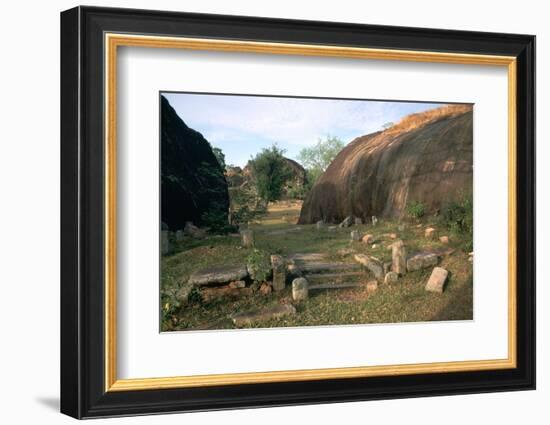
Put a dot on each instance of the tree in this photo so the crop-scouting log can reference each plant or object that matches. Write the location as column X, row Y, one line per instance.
column 270, row 173
column 387, row 125
column 220, row 156
column 317, row 158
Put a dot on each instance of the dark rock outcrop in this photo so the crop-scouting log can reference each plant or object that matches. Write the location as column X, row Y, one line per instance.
column 427, row 157
column 192, row 181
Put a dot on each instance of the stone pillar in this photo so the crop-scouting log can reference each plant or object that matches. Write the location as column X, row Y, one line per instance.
column 374, row 220
column 300, row 289
column 164, row 242
column 399, row 257
column 355, row 235
column 320, row 225
column 247, row 238
column 279, row 272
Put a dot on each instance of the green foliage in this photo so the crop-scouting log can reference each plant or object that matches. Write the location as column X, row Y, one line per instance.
column 458, row 216
column 259, row 264
column 387, row 125
column 216, row 220
column 270, row 172
column 416, row 209
column 220, row 156
column 317, row 158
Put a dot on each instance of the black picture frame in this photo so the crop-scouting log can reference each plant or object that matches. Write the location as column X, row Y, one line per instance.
column 83, row 392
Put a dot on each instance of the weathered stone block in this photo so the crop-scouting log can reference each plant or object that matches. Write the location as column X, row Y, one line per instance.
column 247, row 238
column 216, row 275
column 279, row 272
column 300, row 289
column 320, row 225
column 437, row 280
column 399, row 257
column 355, row 235
column 421, row 261
column 372, row 286
column 374, row 265
column 391, row 277
column 346, row 222
column 429, row 233
column 358, row 221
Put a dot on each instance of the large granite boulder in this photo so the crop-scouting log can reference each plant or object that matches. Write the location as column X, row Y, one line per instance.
column 427, row 157
column 192, row 180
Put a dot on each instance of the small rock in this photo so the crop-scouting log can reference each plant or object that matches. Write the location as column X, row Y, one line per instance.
column 355, row 235
column 437, row 280
column 368, row 239
column 300, row 289
column 191, row 230
column 391, row 277
column 471, row 257
column 401, row 227
column 429, row 233
column 247, row 238
column 266, row 288
column 237, row 284
column 320, row 225
column 346, row 222
column 358, row 221
column 444, row 239
column 374, row 220
column 372, row 286
column 393, row 236
column 374, row 246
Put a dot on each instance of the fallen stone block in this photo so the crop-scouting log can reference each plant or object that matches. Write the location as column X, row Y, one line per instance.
column 346, row 222
column 374, row 265
column 437, row 280
column 217, row 275
column 421, row 261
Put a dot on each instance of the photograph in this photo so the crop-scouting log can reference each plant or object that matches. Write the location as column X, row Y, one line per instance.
column 281, row 211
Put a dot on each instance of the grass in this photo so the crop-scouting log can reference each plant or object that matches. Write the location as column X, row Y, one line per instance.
column 404, row 301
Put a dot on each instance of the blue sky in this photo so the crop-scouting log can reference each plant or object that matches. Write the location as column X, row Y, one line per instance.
column 242, row 125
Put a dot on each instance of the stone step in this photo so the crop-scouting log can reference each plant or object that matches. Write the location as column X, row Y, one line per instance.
column 335, row 277
column 343, row 285
column 318, row 267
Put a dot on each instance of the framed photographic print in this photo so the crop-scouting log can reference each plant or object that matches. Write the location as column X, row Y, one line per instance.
column 261, row 212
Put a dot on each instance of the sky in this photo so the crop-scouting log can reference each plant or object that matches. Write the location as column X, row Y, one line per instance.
column 242, row 125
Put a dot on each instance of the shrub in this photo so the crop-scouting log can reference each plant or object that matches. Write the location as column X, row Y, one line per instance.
column 259, row 265
column 416, row 209
column 458, row 216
